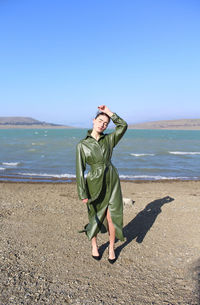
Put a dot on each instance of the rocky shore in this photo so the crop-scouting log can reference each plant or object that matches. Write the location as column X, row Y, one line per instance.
column 44, row 260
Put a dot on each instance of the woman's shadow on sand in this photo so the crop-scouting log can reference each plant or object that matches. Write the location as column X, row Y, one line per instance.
column 141, row 224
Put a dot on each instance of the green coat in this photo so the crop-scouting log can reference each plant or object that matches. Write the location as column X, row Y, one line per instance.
column 102, row 185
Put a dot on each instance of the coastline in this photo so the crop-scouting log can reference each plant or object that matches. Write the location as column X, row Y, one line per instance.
column 3, row 127
column 45, row 260
column 190, row 128
column 53, row 180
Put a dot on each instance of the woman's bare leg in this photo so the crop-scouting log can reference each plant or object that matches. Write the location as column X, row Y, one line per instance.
column 95, row 251
column 111, row 229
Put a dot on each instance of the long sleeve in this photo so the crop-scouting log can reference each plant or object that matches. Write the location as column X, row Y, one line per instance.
column 80, row 168
column 120, row 129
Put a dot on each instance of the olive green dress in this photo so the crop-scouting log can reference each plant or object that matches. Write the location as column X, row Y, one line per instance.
column 102, row 184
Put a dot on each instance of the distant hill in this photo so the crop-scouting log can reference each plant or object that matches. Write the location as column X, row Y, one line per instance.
column 26, row 122
column 183, row 124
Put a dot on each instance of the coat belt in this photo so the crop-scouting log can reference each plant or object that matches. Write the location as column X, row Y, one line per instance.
column 100, row 164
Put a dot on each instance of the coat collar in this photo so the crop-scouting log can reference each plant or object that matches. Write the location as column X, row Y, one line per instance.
column 102, row 135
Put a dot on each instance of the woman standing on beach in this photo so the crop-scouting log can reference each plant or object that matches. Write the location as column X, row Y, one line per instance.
column 101, row 190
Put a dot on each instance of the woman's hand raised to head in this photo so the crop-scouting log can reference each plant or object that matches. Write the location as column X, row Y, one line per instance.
column 105, row 109
column 85, row 200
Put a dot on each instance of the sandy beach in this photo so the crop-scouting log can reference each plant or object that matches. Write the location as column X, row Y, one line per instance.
column 44, row 260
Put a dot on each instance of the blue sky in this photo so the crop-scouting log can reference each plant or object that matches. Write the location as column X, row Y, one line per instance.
column 60, row 59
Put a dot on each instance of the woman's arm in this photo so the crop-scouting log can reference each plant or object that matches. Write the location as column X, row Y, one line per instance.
column 80, row 169
column 121, row 125
column 105, row 109
column 120, row 129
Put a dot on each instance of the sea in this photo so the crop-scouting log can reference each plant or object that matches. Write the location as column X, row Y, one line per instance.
column 48, row 155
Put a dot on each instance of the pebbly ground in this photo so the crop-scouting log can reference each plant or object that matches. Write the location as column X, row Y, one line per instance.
column 44, row 260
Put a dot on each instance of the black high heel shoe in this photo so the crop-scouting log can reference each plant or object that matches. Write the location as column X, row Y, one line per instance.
column 96, row 257
column 112, row 261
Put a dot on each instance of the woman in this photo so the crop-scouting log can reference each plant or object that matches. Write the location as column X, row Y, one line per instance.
column 101, row 190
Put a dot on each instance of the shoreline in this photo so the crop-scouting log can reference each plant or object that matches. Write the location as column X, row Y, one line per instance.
column 2, row 127
column 8, row 127
column 34, row 180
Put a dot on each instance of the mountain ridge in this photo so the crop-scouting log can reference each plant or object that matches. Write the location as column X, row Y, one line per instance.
column 181, row 124
column 29, row 122
column 19, row 121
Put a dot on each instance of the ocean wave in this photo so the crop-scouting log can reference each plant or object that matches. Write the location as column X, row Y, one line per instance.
column 37, row 143
column 141, row 155
column 146, row 177
column 184, row 152
column 48, row 175
column 11, row 163
column 2, row 168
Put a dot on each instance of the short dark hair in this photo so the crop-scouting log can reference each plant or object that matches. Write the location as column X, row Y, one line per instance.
column 102, row 113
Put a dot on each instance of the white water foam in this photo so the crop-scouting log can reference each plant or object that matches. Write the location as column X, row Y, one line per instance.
column 2, row 168
column 141, row 155
column 146, row 177
column 184, row 152
column 48, row 175
column 38, row 143
column 11, row 163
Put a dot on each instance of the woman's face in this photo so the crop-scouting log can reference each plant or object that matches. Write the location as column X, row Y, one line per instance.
column 100, row 123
